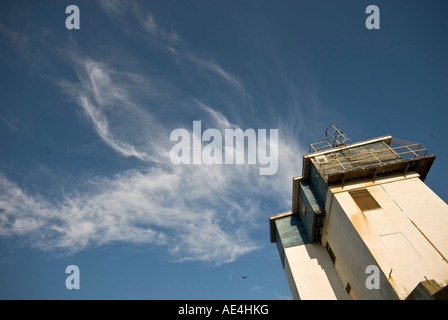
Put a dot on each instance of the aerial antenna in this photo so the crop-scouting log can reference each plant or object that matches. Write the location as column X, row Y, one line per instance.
column 335, row 136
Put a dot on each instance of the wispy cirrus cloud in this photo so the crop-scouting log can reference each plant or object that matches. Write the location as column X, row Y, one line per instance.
column 133, row 207
column 107, row 102
column 198, row 212
column 114, row 7
column 177, row 206
column 18, row 40
column 172, row 42
column 214, row 68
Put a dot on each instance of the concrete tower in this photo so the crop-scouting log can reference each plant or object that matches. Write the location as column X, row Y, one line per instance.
column 363, row 224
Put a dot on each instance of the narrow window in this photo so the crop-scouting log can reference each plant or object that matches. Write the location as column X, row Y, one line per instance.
column 364, row 200
column 330, row 253
column 349, row 290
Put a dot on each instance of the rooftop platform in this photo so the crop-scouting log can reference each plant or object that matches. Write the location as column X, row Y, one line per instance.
column 368, row 159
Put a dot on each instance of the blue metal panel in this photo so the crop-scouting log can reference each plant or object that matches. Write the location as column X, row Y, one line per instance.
column 318, row 183
column 280, row 247
column 311, row 197
column 290, row 231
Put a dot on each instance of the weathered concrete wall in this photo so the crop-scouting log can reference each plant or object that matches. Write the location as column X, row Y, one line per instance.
column 425, row 208
column 407, row 237
column 352, row 254
column 311, row 274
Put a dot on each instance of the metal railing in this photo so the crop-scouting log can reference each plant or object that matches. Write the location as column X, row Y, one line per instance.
column 344, row 159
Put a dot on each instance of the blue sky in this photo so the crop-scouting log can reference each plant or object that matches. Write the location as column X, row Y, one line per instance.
column 86, row 117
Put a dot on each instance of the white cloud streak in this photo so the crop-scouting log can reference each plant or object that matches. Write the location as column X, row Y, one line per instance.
column 172, row 42
column 213, row 67
column 105, row 98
